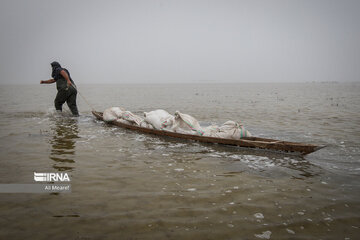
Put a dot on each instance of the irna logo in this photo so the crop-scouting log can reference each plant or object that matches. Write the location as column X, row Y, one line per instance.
column 51, row 177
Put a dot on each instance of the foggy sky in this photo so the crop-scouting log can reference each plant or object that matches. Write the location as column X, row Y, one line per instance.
column 180, row 41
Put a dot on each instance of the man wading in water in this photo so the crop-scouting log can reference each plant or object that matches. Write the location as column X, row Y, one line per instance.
column 65, row 86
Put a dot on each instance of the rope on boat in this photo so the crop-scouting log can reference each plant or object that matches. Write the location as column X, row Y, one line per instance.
column 92, row 108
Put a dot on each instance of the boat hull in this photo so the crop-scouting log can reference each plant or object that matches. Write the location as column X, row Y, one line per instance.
column 248, row 142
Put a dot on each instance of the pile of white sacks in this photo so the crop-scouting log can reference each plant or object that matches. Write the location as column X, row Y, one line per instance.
column 179, row 122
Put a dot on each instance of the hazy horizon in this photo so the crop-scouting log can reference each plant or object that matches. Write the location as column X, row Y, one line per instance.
column 185, row 83
column 181, row 41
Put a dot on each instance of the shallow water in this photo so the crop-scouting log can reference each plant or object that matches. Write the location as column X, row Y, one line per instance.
column 127, row 185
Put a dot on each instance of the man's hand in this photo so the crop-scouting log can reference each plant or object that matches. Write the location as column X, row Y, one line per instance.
column 47, row 81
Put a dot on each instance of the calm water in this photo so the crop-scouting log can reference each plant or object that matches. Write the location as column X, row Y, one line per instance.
column 127, row 185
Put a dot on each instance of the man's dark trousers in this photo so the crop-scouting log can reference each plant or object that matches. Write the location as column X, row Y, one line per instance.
column 69, row 96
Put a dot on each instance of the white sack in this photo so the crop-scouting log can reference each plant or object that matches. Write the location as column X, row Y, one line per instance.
column 157, row 117
column 111, row 114
column 120, row 120
column 168, row 123
column 232, row 130
column 133, row 118
column 211, row 131
column 185, row 123
column 145, row 124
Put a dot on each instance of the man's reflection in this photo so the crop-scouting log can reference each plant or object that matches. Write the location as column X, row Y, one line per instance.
column 65, row 133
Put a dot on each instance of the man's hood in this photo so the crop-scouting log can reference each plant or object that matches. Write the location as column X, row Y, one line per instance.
column 56, row 68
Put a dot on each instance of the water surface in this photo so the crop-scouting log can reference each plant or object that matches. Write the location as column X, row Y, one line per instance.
column 127, row 185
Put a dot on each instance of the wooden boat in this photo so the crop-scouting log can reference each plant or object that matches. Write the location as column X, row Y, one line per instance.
column 248, row 142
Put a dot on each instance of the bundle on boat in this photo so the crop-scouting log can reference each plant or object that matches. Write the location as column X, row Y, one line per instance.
column 178, row 123
column 184, row 126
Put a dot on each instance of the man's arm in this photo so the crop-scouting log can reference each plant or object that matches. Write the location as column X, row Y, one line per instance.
column 66, row 76
column 47, row 81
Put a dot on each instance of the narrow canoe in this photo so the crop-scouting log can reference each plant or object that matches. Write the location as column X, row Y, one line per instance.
column 248, row 142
